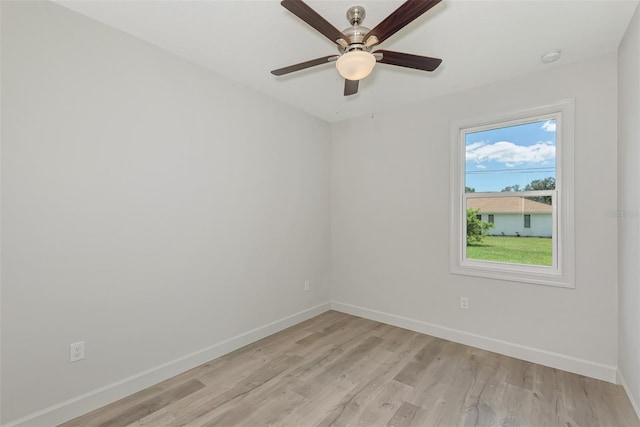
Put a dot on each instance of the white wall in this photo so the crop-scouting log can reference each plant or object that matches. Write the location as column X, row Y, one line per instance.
column 629, row 206
column 390, row 234
column 149, row 207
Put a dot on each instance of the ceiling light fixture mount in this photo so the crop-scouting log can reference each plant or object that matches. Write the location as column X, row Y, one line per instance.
column 550, row 57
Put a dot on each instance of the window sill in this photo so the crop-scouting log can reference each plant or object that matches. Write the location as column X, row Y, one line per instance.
column 513, row 273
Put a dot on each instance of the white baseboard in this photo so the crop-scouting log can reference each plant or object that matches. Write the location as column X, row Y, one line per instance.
column 630, row 395
column 87, row 402
column 530, row 354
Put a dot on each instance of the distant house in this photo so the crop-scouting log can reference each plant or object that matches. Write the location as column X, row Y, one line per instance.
column 514, row 216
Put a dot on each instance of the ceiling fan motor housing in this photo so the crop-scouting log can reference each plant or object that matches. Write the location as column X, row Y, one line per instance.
column 356, row 33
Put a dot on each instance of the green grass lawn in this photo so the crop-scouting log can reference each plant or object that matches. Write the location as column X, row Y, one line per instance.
column 521, row 250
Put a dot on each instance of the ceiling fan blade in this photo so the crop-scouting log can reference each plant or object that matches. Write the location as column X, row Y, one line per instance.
column 350, row 87
column 402, row 16
column 303, row 65
column 313, row 18
column 408, row 60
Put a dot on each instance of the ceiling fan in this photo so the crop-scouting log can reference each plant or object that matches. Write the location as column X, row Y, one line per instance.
column 356, row 61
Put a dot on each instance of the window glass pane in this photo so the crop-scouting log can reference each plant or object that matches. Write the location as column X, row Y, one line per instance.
column 512, row 196
column 512, row 158
column 521, row 232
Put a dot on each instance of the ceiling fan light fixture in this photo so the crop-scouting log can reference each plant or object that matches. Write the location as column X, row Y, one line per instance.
column 355, row 61
column 355, row 65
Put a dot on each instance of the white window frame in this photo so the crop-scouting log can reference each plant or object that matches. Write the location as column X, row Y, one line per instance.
column 562, row 271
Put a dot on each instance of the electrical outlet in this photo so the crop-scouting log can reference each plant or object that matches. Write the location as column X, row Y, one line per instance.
column 464, row 303
column 307, row 286
column 76, row 351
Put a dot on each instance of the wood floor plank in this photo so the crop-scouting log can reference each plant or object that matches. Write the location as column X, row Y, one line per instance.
column 368, row 387
column 545, row 385
column 121, row 416
column 382, row 409
column 311, row 411
column 235, row 394
column 256, row 408
column 404, row 416
column 476, row 409
column 609, row 402
column 520, row 373
column 413, row 370
column 575, row 400
column 341, row 370
column 322, row 321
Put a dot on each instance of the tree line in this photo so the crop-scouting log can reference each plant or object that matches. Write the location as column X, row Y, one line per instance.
column 548, row 183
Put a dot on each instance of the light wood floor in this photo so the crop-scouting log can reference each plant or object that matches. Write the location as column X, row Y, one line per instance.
column 341, row 370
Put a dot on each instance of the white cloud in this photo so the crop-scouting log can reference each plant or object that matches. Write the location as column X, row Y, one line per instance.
column 509, row 153
column 478, row 166
column 549, row 126
column 475, row 145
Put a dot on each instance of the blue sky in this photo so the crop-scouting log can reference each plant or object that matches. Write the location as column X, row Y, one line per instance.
column 518, row 154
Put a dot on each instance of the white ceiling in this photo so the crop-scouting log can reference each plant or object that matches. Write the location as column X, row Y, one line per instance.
column 479, row 41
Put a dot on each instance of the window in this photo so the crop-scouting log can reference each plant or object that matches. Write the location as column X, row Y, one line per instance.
column 519, row 167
